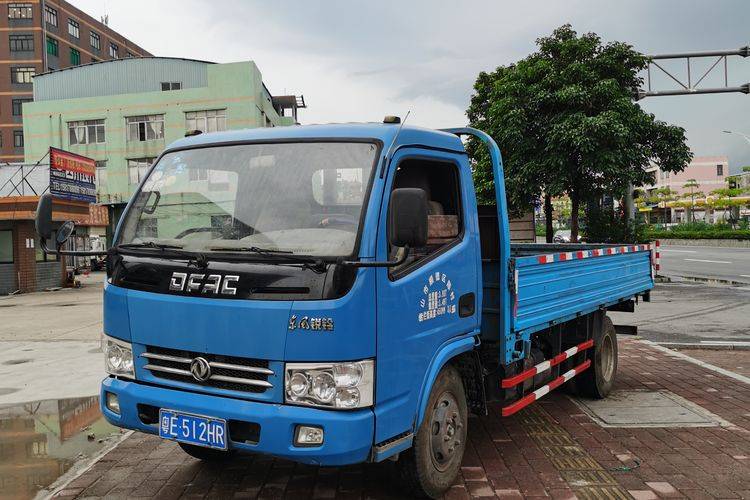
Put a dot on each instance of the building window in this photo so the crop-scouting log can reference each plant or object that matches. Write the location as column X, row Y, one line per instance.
column 74, row 29
column 19, row 11
column 18, row 106
column 171, row 85
column 720, row 170
column 101, row 176
column 21, row 43
column 52, row 46
column 212, row 120
column 6, row 247
column 22, row 74
column 113, row 50
column 137, row 169
column 75, row 57
column 18, row 138
column 145, row 128
column 50, row 16
column 95, row 40
column 198, row 174
column 86, row 132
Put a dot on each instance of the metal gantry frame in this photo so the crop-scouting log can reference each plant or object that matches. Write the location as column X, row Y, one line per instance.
column 691, row 85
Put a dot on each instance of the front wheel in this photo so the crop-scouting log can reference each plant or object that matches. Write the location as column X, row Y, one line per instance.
column 431, row 466
column 597, row 381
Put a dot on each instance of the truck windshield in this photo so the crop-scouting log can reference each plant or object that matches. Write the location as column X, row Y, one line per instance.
column 292, row 198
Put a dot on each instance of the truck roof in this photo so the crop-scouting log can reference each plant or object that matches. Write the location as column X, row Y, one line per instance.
column 384, row 132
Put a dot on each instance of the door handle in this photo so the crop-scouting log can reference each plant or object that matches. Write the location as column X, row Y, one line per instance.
column 466, row 305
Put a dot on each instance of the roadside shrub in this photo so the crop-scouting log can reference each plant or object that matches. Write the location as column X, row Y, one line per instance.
column 699, row 231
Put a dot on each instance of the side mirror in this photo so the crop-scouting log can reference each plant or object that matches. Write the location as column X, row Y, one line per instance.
column 407, row 220
column 64, row 232
column 43, row 220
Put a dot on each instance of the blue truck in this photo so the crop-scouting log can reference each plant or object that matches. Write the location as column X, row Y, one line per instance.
column 333, row 294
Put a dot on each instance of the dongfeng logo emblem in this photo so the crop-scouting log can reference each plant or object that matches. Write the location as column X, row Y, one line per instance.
column 215, row 284
column 200, row 369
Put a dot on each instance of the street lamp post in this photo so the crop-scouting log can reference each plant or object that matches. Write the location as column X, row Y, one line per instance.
column 744, row 136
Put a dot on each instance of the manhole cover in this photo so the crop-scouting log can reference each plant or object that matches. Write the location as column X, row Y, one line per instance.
column 648, row 409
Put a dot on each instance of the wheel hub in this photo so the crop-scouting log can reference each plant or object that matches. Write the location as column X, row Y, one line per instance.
column 445, row 425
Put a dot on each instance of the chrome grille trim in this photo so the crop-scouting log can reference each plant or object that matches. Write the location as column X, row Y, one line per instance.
column 251, row 369
column 165, row 357
column 227, row 372
column 167, row 369
column 257, row 383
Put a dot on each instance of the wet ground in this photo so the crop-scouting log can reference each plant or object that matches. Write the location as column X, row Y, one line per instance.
column 41, row 441
column 49, row 354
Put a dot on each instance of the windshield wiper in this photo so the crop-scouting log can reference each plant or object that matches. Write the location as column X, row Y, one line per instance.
column 313, row 264
column 198, row 258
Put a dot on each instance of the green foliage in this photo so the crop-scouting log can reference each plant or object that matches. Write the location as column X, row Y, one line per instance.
column 700, row 231
column 566, row 123
column 612, row 226
column 746, row 169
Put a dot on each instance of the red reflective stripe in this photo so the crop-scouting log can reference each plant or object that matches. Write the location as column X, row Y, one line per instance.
column 517, row 379
column 530, row 398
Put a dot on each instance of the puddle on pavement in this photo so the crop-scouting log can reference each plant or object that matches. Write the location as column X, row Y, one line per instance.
column 41, row 441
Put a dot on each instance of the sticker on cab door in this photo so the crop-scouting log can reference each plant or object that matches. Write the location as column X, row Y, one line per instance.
column 438, row 299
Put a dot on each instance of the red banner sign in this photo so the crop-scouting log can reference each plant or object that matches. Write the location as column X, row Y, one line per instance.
column 72, row 176
column 64, row 160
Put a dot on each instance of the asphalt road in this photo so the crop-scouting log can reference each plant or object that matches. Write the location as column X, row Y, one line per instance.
column 693, row 313
column 706, row 262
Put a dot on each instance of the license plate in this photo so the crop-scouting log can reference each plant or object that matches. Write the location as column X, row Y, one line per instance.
column 193, row 429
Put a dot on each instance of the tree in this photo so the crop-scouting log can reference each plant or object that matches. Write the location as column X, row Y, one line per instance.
column 746, row 169
column 566, row 122
column 691, row 185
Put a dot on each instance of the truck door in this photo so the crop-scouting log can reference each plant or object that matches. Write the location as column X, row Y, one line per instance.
column 431, row 298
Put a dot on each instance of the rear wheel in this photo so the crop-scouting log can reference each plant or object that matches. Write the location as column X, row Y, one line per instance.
column 598, row 380
column 430, row 467
column 206, row 454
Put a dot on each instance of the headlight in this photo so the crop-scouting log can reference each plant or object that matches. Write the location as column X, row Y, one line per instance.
column 330, row 385
column 118, row 357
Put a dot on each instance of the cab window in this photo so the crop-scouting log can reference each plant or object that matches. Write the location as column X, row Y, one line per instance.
column 440, row 181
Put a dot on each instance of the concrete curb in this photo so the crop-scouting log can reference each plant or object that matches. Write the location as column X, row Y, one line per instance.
column 78, row 469
column 706, row 243
column 708, row 281
column 708, row 346
column 703, row 364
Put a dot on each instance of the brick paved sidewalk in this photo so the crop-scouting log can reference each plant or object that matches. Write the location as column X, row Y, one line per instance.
column 552, row 449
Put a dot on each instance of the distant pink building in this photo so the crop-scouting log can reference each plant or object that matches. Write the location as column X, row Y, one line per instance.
column 710, row 172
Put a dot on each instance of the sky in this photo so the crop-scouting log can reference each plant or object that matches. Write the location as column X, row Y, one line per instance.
column 359, row 60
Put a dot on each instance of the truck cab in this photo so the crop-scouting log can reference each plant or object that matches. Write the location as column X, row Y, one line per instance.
column 325, row 294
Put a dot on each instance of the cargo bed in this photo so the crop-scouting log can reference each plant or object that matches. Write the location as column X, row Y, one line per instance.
column 553, row 283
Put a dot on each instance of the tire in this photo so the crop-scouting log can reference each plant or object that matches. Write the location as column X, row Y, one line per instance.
column 431, row 465
column 206, row 454
column 598, row 380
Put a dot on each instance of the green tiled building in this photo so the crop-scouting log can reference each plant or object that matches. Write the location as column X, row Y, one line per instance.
column 123, row 112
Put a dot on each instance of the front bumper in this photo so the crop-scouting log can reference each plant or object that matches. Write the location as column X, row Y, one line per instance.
column 348, row 435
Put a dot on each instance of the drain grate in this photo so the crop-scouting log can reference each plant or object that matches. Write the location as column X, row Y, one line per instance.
column 644, row 408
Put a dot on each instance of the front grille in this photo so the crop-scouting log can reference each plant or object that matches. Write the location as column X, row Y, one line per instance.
column 227, row 372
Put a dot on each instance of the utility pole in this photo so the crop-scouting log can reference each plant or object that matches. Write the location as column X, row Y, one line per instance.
column 689, row 85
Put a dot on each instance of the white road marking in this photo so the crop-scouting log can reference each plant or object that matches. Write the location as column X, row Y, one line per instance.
column 709, row 261
column 744, row 275
column 678, row 251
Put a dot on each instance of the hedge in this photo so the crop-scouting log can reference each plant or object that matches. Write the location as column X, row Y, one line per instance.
column 688, row 234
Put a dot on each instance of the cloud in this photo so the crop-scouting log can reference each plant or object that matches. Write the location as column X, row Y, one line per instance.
column 357, row 60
